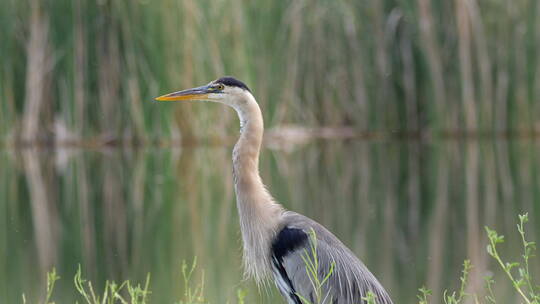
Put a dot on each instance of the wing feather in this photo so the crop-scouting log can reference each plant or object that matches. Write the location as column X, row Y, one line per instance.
column 350, row 280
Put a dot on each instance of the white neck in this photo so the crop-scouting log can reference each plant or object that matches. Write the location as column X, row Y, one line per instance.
column 258, row 212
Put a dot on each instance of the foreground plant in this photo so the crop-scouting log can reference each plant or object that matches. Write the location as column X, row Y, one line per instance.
column 192, row 294
column 311, row 262
column 112, row 292
column 518, row 273
column 522, row 282
column 424, row 294
column 370, row 298
column 129, row 293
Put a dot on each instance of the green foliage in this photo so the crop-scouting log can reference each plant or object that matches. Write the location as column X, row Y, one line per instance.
column 112, row 292
column 424, row 294
column 241, row 296
column 458, row 298
column 129, row 293
column 313, row 271
column 311, row 261
column 192, row 294
column 52, row 277
column 521, row 281
column 490, row 295
column 518, row 273
column 370, row 298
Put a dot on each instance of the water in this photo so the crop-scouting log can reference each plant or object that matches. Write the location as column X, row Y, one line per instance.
column 413, row 211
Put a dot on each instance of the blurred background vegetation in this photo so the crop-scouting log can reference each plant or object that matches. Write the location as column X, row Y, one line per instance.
column 85, row 71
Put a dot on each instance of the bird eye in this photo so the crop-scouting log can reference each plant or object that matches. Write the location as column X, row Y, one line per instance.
column 220, row 87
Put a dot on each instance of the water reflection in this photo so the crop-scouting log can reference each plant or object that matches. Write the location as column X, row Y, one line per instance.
column 412, row 210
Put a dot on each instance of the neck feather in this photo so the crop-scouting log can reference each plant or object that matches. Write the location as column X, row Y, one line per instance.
column 258, row 212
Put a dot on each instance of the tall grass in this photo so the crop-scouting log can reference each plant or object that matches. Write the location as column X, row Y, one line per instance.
column 87, row 70
column 132, row 293
column 517, row 274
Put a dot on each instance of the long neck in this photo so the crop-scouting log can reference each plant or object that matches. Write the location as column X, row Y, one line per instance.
column 259, row 214
column 247, row 149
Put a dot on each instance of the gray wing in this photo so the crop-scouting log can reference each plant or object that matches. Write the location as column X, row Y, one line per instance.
column 350, row 280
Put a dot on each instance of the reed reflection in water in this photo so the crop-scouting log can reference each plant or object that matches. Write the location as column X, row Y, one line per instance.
column 412, row 210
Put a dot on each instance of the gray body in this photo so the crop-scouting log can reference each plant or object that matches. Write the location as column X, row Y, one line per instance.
column 350, row 280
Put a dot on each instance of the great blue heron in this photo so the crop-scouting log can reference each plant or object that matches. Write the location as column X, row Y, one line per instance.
column 279, row 242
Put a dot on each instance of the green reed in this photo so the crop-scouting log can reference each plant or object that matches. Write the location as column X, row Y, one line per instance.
column 87, row 70
column 128, row 292
column 314, row 271
column 517, row 272
column 518, row 275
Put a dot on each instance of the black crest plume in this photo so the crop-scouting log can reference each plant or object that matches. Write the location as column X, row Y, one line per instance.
column 232, row 82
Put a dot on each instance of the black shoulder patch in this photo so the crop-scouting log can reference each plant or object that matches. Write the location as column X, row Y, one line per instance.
column 287, row 240
column 232, row 82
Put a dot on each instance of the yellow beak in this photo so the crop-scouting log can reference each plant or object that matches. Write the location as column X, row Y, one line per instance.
column 200, row 93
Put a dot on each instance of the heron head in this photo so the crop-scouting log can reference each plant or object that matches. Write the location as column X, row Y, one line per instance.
column 227, row 90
